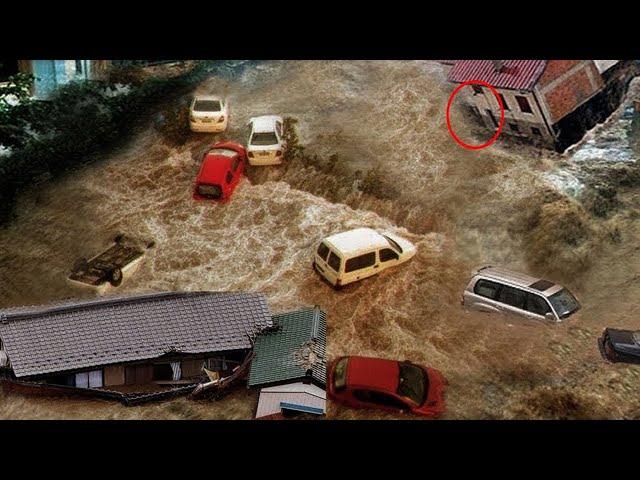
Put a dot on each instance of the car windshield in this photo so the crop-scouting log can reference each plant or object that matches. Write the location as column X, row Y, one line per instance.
column 207, row 106
column 211, row 191
column 340, row 374
column 564, row 303
column 414, row 383
column 264, row 138
column 393, row 244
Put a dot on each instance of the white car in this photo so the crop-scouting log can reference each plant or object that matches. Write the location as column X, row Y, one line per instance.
column 208, row 113
column 351, row 256
column 266, row 144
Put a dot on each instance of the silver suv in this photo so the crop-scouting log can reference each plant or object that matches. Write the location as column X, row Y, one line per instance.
column 498, row 290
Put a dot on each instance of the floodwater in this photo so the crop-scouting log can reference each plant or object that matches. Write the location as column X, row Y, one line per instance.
column 378, row 154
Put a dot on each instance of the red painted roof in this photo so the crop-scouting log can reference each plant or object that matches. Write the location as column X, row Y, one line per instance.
column 515, row 74
column 376, row 373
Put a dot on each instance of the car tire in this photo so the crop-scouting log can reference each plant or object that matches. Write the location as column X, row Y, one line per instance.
column 115, row 277
column 118, row 238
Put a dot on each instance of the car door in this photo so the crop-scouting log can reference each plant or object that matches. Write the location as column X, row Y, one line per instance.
column 537, row 307
column 236, row 171
column 513, row 301
column 483, row 297
column 360, row 267
column 375, row 399
column 387, row 257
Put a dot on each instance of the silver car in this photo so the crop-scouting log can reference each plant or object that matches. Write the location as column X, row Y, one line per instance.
column 498, row 290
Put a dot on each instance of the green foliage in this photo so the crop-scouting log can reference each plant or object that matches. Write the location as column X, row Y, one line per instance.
column 290, row 136
column 174, row 125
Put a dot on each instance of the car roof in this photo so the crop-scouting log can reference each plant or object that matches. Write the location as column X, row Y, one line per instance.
column 356, row 240
column 265, row 123
column 519, row 279
column 214, row 168
column 373, row 373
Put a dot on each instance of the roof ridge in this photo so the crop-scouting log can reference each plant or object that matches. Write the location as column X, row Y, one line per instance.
column 30, row 311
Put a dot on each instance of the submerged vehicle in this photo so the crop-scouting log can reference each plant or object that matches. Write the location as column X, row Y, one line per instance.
column 620, row 345
column 376, row 383
column 350, row 256
column 208, row 113
column 111, row 267
column 266, row 144
column 220, row 172
column 498, row 290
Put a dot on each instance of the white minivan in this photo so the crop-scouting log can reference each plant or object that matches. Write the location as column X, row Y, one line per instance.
column 350, row 256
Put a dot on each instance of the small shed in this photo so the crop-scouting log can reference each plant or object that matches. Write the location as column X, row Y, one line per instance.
column 298, row 397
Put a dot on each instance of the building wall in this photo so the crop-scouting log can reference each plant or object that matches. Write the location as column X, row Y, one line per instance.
column 513, row 115
column 52, row 73
column 565, row 85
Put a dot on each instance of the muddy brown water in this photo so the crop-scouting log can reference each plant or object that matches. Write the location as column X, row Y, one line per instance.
column 458, row 206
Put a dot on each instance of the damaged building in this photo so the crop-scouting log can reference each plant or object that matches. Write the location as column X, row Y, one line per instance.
column 132, row 344
column 551, row 102
column 289, row 365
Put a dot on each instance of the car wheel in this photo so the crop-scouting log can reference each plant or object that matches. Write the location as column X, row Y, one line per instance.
column 115, row 277
column 118, row 238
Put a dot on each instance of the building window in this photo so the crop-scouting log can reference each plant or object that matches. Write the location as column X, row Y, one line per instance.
column 514, row 127
column 536, row 131
column 523, row 103
column 78, row 67
column 477, row 89
column 504, row 102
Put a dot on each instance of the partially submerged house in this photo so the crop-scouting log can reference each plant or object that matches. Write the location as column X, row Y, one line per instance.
column 130, row 344
column 553, row 102
column 289, row 364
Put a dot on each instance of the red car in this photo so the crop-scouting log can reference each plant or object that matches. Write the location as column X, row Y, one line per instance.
column 221, row 169
column 361, row 382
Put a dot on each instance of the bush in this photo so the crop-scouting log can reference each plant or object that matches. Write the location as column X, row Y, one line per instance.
column 174, row 125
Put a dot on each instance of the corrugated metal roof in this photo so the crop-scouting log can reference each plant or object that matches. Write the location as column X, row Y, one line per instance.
column 271, row 398
column 83, row 334
column 515, row 74
column 288, row 353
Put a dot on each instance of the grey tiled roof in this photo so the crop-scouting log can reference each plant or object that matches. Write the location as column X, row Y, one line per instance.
column 288, row 353
column 83, row 334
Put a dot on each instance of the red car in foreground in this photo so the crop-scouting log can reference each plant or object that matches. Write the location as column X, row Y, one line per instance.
column 362, row 382
column 221, row 169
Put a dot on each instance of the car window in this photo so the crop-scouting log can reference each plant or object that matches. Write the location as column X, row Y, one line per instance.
column 360, row 262
column 536, row 304
column 512, row 296
column 379, row 398
column 387, row 254
column 323, row 251
column 487, row 289
column 334, row 261
column 564, row 303
column 264, row 138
